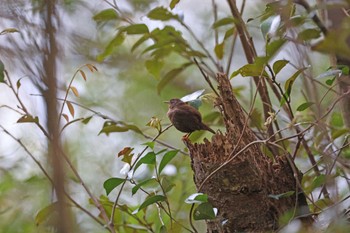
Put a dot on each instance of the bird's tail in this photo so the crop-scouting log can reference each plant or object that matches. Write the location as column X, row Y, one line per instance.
column 205, row 127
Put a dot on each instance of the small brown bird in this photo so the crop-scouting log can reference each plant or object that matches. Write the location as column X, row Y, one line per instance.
column 185, row 118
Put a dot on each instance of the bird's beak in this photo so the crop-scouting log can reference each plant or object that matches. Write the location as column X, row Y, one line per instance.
column 166, row 102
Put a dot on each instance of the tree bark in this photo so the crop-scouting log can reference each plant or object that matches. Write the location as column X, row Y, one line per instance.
column 238, row 178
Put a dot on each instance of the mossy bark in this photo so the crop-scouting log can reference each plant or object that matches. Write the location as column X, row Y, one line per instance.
column 238, row 178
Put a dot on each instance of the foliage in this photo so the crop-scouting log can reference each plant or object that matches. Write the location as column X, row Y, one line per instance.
column 302, row 119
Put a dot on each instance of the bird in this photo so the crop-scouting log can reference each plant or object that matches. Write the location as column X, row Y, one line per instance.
column 185, row 118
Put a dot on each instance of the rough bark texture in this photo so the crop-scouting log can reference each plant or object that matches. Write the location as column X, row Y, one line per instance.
column 240, row 189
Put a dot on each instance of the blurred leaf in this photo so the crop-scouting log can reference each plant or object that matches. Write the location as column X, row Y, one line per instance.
column 223, row 22
column 329, row 82
column 304, row 106
column 289, row 84
column 28, row 119
column 91, row 67
column 112, row 127
column 114, row 43
column 256, row 119
column 8, row 30
column 282, row 195
column 219, row 50
column 127, row 155
column 105, row 15
column 273, row 47
column 337, row 120
column 150, row 144
column 166, row 159
column 155, row 122
column 339, row 132
column 83, row 74
column 195, row 103
column 65, row 116
column 309, row 34
column 197, row 198
column 86, row 120
column 229, row 33
column 75, row 91
column 70, row 108
column 111, row 184
column 142, row 184
column 149, row 201
column 335, row 42
column 45, row 213
column 18, row 83
column 204, row 211
column 173, row 3
column 149, row 158
column 255, row 70
column 2, row 72
column 140, row 41
column 166, row 184
column 278, row 65
column 161, row 13
column 154, row 66
column 170, row 76
column 135, row 29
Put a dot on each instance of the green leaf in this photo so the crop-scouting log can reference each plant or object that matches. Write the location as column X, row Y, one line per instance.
column 229, row 33
column 142, row 184
column 150, row 144
column 170, row 76
column 304, row 106
column 318, row 181
column 28, row 119
column 135, row 29
column 154, row 66
column 219, row 50
column 335, row 42
column 223, row 22
column 127, row 155
column 289, row 84
column 197, row 198
column 161, row 13
column 2, row 72
column 149, row 201
column 339, row 132
column 112, row 127
column 8, row 30
column 149, row 158
column 282, row 195
column 114, row 43
column 166, row 184
column 111, row 184
column 256, row 69
column 278, row 65
column 173, row 3
column 45, row 213
column 273, row 47
column 105, row 15
column 86, row 120
column 309, row 34
column 204, row 211
column 166, row 159
column 140, row 41
column 329, row 82
column 337, row 120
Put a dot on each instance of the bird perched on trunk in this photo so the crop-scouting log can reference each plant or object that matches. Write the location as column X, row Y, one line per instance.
column 185, row 118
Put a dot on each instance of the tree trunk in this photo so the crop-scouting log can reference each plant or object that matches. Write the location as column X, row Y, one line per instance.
column 238, row 178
